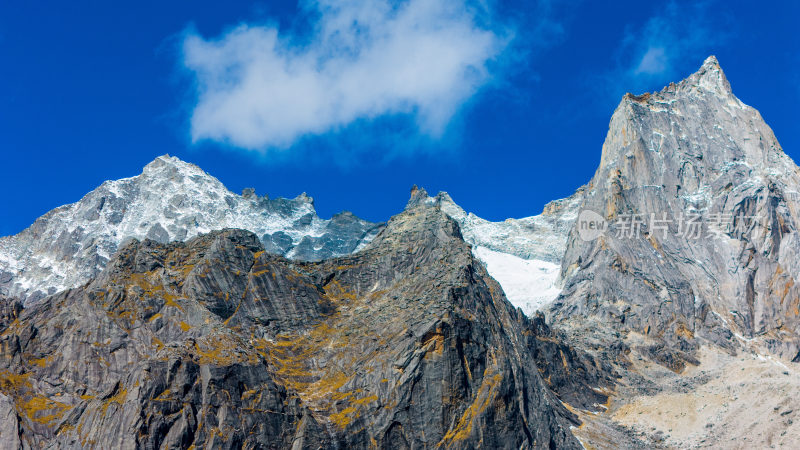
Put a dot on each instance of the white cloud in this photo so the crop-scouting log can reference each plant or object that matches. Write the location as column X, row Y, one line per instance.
column 258, row 89
column 668, row 46
column 654, row 61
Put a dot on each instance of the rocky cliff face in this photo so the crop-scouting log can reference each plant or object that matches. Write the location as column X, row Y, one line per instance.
column 216, row 343
column 701, row 244
column 171, row 200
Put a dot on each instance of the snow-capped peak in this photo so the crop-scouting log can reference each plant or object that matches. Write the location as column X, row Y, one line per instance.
column 170, row 200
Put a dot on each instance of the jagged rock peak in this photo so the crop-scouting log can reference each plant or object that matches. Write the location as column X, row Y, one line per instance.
column 166, row 160
column 541, row 237
column 709, row 78
column 172, row 168
column 418, row 196
column 523, row 255
column 305, row 198
column 691, row 150
column 698, row 120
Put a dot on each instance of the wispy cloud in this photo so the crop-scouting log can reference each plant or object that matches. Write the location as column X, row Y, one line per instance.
column 666, row 47
column 259, row 89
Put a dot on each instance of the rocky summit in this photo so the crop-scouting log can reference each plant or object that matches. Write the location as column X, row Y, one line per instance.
column 657, row 307
column 702, row 211
column 692, row 269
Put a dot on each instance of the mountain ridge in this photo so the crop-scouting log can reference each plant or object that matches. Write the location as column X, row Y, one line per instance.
column 214, row 342
column 169, row 200
column 523, row 254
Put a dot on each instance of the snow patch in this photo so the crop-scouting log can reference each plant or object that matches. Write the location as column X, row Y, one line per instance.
column 530, row 284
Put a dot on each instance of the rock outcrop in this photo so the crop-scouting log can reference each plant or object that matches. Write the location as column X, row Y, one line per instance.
column 215, row 343
column 170, row 201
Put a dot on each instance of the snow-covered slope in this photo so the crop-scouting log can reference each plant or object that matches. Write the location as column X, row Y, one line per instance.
column 529, row 284
column 542, row 237
column 523, row 255
column 169, row 200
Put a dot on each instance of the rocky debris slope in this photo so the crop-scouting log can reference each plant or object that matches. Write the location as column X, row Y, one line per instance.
column 170, row 200
column 743, row 401
column 701, row 245
column 216, row 343
column 523, row 255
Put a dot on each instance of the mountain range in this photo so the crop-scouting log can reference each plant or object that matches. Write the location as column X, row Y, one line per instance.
column 170, row 200
column 652, row 308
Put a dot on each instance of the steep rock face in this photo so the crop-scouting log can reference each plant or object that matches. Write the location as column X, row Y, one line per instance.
column 701, row 242
column 578, row 378
column 523, row 255
column 218, row 344
column 170, row 200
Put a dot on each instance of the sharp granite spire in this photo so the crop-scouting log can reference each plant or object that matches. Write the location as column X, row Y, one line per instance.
column 692, row 151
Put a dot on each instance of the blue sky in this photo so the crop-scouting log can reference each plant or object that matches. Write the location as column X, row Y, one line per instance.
column 503, row 104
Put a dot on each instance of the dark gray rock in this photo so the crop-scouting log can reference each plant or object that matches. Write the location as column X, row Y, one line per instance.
column 576, row 376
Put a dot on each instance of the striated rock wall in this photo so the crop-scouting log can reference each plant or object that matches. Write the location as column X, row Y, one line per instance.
column 692, row 152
